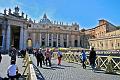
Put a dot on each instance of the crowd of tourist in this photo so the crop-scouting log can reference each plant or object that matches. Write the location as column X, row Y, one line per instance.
column 43, row 57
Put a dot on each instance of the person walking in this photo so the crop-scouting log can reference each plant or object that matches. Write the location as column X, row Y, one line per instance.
column 40, row 57
column 92, row 58
column 12, row 71
column 59, row 57
column 48, row 57
column 37, row 56
column 43, row 59
column 83, row 58
column 13, row 53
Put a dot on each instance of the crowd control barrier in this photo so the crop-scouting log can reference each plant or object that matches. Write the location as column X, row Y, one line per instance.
column 29, row 71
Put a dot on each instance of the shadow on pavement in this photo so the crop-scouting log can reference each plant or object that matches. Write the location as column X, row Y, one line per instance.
column 67, row 66
column 53, row 67
column 38, row 73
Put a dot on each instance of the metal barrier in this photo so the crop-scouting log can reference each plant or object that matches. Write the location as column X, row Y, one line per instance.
column 29, row 71
column 111, row 64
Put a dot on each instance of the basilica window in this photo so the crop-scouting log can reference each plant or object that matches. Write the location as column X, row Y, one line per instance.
column 102, row 44
column 118, row 44
column 49, row 44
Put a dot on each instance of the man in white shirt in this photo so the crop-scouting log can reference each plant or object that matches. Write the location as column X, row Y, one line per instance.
column 12, row 70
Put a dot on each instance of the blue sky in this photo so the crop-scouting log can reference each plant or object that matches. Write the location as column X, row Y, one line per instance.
column 85, row 12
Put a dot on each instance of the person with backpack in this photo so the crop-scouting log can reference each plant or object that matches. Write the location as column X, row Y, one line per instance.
column 83, row 58
column 59, row 57
column 48, row 57
column 13, row 52
column 37, row 56
column 92, row 58
column 40, row 57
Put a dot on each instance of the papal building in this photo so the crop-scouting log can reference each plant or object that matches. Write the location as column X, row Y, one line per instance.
column 16, row 29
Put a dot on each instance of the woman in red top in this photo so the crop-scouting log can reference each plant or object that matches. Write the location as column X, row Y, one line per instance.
column 48, row 57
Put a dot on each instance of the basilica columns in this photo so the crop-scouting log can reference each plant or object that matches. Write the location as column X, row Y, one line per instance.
column 25, row 38
column 73, row 40
column 78, row 38
column 3, row 39
column 21, row 44
column 8, row 37
column 33, row 36
column 61, row 40
column 52, row 40
column 67, row 40
column 40, row 40
column 57, row 40
column 48, row 39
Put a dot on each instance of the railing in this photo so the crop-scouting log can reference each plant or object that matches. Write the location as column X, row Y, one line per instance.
column 110, row 64
column 29, row 71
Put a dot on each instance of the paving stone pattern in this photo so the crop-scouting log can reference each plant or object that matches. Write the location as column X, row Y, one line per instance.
column 71, row 71
column 6, row 62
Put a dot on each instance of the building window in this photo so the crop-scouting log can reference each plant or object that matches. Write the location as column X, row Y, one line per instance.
column 49, row 44
column 112, row 44
column 75, row 28
column 118, row 44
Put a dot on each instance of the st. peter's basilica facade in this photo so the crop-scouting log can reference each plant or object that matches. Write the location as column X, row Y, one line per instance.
column 16, row 29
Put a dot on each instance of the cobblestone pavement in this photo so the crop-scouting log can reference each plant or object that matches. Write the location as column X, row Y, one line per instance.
column 6, row 62
column 71, row 71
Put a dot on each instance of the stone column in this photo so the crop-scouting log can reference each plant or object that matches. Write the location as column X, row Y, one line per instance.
column 21, row 37
column 78, row 38
column 68, row 40
column 57, row 40
column 61, row 39
column 25, row 38
column 73, row 41
column 48, row 40
column 40, row 40
column 3, row 39
column 8, row 37
column 37, row 40
column 52, row 40
column 115, row 44
column 33, row 39
column 104, row 44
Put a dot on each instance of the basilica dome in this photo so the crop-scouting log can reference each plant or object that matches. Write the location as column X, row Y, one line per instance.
column 45, row 20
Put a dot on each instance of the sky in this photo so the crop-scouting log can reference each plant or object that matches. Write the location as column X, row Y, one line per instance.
column 85, row 12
